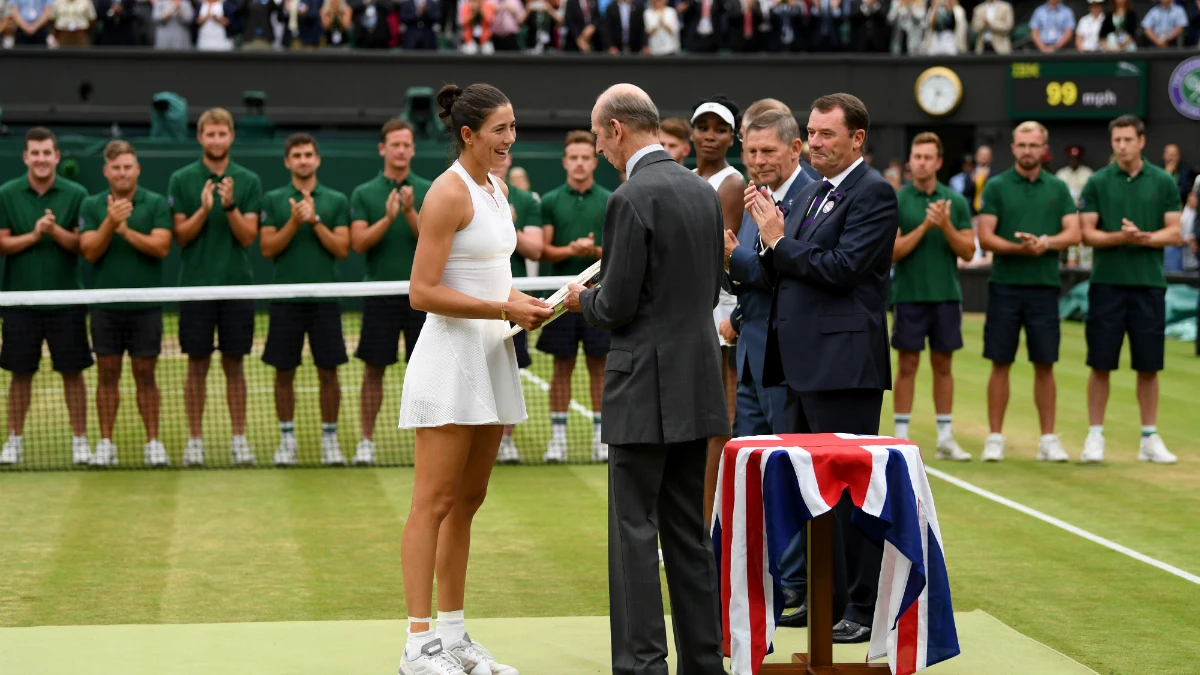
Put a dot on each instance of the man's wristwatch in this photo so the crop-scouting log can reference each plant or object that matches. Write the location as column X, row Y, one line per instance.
column 232, row 206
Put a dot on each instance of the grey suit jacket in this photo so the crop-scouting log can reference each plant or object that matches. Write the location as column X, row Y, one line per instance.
column 659, row 281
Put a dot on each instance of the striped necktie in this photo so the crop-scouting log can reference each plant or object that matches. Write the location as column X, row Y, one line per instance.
column 826, row 186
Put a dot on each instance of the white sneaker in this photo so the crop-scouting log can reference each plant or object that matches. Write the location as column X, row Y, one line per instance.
column 556, row 452
column 81, row 452
column 364, row 455
column 193, row 452
column 1050, row 449
column 433, row 660
column 1154, row 450
column 477, row 660
column 12, row 451
column 156, row 454
column 331, row 452
column 105, row 455
column 487, row 48
column 993, row 448
column 285, row 454
column 1093, row 449
column 508, row 452
column 242, row 453
column 599, row 450
column 470, row 48
column 949, row 449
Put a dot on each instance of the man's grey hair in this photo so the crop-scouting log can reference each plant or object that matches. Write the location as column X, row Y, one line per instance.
column 782, row 123
column 631, row 109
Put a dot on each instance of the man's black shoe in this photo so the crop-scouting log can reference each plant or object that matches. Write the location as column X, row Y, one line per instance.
column 792, row 599
column 797, row 619
column 847, row 632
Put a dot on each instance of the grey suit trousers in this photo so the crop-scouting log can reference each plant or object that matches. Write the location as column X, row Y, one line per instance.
column 657, row 491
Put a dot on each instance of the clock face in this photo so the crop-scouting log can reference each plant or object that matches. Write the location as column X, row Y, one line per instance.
column 938, row 95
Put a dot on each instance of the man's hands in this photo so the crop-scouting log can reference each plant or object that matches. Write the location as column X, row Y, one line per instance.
column 937, row 214
column 45, row 224
column 766, row 215
column 727, row 332
column 406, row 199
column 304, row 211
column 1132, row 235
column 583, row 247
column 119, row 211
column 571, row 302
column 731, row 242
column 1032, row 245
column 529, row 313
column 206, row 196
column 225, row 189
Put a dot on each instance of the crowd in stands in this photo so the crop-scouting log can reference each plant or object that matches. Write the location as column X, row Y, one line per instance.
column 655, row 27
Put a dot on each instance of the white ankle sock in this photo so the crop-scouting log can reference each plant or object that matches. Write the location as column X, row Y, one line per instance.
column 451, row 627
column 415, row 641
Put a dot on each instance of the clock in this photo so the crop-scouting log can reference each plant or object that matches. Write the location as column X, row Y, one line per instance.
column 938, row 91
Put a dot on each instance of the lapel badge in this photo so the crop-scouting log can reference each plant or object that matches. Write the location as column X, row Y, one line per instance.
column 828, row 206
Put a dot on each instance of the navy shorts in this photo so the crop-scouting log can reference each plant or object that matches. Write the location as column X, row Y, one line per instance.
column 521, row 346
column 233, row 321
column 560, row 338
column 137, row 331
column 290, row 321
column 64, row 330
column 1012, row 307
column 1113, row 311
column 384, row 318
column 939, row 322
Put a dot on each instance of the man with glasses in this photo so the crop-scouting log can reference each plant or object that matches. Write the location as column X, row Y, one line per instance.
column 1027, row 217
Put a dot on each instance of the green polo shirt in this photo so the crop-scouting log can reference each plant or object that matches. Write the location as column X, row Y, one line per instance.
column 44, row 266
column 214, row 257
column 930, row 272
column 122, row 265
column 1144, row 199
column 391, row 259
column 1036, row 207
column 574, row 214
column 529, row 213
column 305, row 260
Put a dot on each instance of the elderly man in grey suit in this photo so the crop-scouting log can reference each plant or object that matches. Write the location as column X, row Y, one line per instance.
column 663, row 250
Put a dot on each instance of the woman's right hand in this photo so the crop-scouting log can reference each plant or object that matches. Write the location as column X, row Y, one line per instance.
column 528, row 313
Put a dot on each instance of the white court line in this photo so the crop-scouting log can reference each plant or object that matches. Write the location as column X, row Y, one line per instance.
column 545, row 386
column 1096, row 539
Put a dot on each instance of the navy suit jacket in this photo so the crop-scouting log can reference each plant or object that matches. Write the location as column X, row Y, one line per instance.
column 753, row 289
column 831, row 288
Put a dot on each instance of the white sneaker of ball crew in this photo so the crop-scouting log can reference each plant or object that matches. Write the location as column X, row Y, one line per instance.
column 155, row 454
column 105, row 455
column 1050, row 449
column 470, row 48
column 1093, row 448
column 477, row 660
column 556, row 452
column 193, row 452
column 242, row 453
column 81, row 452
column 331, row 451
column 433, row 660
column 364, row 454
column 949, row 449
column 599, row 450
column 508, row 453
column 993, row 448
column 487, row 48
column 12, row 451
column 1154, row 450
column 285, row 454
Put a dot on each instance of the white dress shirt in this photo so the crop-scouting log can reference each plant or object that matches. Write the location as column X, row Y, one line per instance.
column 835, row 181
column 779, row 194
column 638, row 155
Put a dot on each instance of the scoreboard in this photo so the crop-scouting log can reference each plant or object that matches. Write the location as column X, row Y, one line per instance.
column 1076, row 89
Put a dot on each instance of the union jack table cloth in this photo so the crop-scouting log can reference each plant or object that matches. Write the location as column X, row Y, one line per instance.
column 769, row 487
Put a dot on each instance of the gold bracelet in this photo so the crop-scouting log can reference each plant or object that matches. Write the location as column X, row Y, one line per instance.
column 503, row 312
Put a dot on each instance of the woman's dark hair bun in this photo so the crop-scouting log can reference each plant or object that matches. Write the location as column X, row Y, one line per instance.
column 445, row 100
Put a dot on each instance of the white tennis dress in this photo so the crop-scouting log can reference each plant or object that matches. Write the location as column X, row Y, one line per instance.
column 727, row 301
column 464, row 371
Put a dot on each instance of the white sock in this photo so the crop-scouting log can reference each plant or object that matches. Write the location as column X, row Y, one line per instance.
column 596, row 426
column 1096, row 429
column 558, row 427
column 15, row 437
column 943, row 428
column 451, row 627
column 79, row 438
column 1048, row 437
column 902, row 420
column 241, row 438
column 415, row 641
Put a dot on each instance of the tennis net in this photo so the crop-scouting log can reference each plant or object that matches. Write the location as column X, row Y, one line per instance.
column 357, row 329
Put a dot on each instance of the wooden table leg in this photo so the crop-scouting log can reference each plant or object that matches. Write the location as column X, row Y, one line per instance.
column 819, row 660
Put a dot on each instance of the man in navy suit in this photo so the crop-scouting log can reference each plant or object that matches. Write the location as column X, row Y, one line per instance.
column 827, row 338
column 771, row 145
